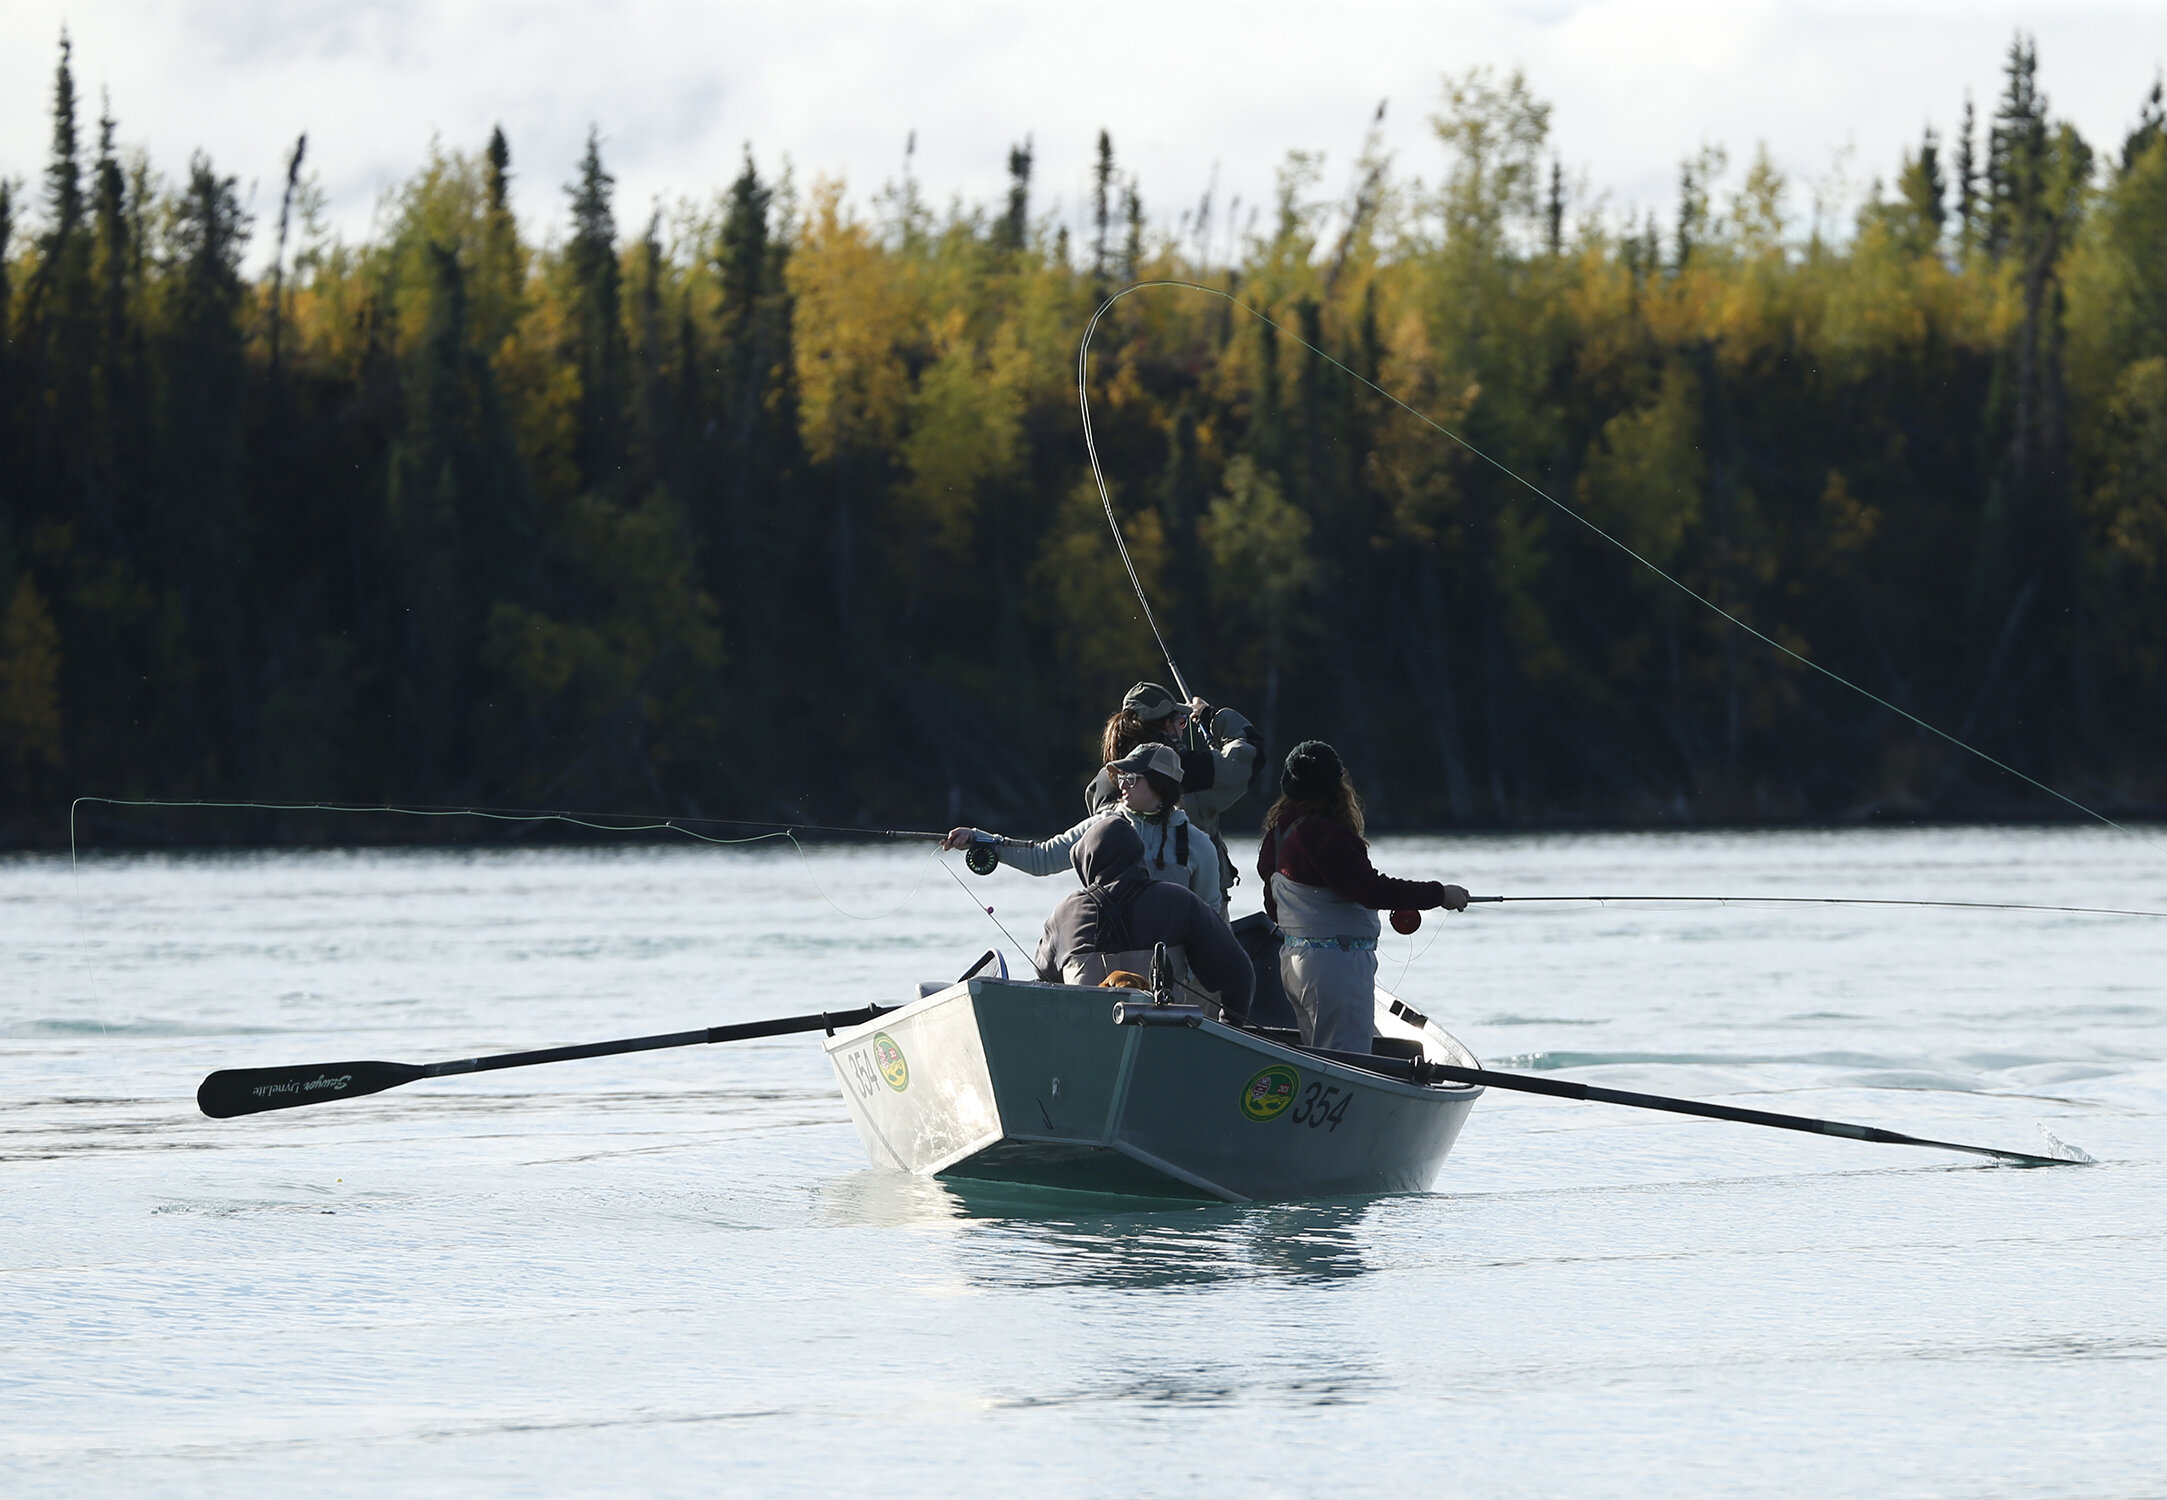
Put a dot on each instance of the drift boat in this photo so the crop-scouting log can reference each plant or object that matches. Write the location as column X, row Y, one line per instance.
column 1114, row 1091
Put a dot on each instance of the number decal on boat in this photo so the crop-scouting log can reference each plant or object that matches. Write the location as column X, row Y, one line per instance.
column 862, row 1076
column 890, row 1058
column 1318, row 1106
column 1270, row 1092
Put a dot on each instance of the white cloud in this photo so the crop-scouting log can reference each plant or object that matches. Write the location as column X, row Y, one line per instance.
column 677, row 88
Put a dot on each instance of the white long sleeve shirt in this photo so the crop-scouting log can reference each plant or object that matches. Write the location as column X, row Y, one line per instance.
column 1162, row 836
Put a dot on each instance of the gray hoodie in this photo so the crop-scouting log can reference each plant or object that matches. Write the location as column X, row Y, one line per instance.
column 1121, row 909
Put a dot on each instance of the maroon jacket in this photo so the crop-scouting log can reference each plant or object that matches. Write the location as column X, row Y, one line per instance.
column 1318, row 851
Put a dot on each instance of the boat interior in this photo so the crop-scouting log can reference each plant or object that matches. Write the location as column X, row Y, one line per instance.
column 1405, row 1036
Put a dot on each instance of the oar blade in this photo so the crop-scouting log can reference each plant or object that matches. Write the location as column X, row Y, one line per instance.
column 251, row 1091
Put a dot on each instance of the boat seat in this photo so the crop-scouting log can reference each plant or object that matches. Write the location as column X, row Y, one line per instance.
column 1405, row 1048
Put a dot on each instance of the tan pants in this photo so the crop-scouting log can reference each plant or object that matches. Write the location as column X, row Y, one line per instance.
column 1334, row 991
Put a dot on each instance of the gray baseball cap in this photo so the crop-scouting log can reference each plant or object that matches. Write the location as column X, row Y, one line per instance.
column 1151, row 757
column 1149, row 701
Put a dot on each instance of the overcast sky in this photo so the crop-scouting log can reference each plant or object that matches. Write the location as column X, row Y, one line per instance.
column 678, row 88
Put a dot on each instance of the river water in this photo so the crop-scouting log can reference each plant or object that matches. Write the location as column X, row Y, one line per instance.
column 674, row 1272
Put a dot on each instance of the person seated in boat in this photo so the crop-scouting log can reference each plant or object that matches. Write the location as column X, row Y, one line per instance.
column 1149, row 778
column 1122, row 914
column 1218, row 752
column 1324, row 894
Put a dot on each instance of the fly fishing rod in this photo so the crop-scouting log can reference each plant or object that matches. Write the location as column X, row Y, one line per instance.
column 2086, row 911
column 1083, row 355
column 1098, row 475
column 979, row 857
column 616, row 822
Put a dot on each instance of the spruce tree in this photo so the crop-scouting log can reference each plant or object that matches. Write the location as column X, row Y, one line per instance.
column 498, row 156
column 2023, row 590
column 499, row 281
column 8, row 496
column 756, row 533
column 1132, row 245
column 1015, row 225
column 2150, row 130
column 121, row 421
column 64, row 172
column 199, row 519
column 1554, row 210
column 278, row 263
column 116, row 254
column 742, row 258
column 60, row 326
column 1923, row 194
column 1967, row 183
column 1102, row 190
column 1692, row 209
column 597, row 331
column 2016, row 153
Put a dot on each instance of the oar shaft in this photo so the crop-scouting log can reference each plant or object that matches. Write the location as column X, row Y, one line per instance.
column 742, row 1032
column 249, row 1091
column 1560, row 1088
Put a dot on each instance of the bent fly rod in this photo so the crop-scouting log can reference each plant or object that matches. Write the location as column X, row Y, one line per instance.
column 1083, row 396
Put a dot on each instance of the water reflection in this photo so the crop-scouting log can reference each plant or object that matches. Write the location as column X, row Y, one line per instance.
column 1151, row 1249
column 1017, row 1236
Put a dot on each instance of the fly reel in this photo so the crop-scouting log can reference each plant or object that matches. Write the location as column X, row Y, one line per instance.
column 980, row 859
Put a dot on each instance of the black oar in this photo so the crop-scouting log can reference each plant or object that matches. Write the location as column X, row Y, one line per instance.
column 250, row 1091
column 1560, row 1088
column 1427, row 1072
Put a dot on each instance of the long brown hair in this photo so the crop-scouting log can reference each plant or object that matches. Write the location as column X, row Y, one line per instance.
column 1123, row 733
column 1343, row 806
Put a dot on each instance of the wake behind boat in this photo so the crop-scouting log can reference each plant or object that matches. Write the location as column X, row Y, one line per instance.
column 1113, row 1091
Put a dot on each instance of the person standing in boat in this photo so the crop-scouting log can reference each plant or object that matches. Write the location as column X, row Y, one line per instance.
column 1148, row 780
column 1324, row 894
column 1215, row 769
column 1121, row 916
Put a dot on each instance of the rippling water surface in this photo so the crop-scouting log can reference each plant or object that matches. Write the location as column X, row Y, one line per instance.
column 675, row 1273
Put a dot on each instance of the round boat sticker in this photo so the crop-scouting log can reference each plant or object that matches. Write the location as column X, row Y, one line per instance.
column 1269, row 1092
column 889, row 1058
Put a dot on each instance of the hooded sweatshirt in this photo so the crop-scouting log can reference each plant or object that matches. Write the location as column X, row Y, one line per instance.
column 1122, row 909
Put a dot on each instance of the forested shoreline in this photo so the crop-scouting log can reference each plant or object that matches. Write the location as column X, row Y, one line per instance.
column 777, row 506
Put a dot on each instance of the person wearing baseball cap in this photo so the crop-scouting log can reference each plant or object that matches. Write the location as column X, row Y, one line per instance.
column 1148, row 789
column 1324, row 894
column 1217, row 748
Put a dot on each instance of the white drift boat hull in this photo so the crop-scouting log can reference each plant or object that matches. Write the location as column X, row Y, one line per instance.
column 1010, row 1081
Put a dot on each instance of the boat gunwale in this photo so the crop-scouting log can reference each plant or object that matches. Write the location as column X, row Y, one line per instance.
column 1283, row 1051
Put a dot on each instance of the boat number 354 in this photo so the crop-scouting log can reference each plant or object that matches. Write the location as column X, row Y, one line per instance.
column 880, row 1061
column 1322, row 1104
